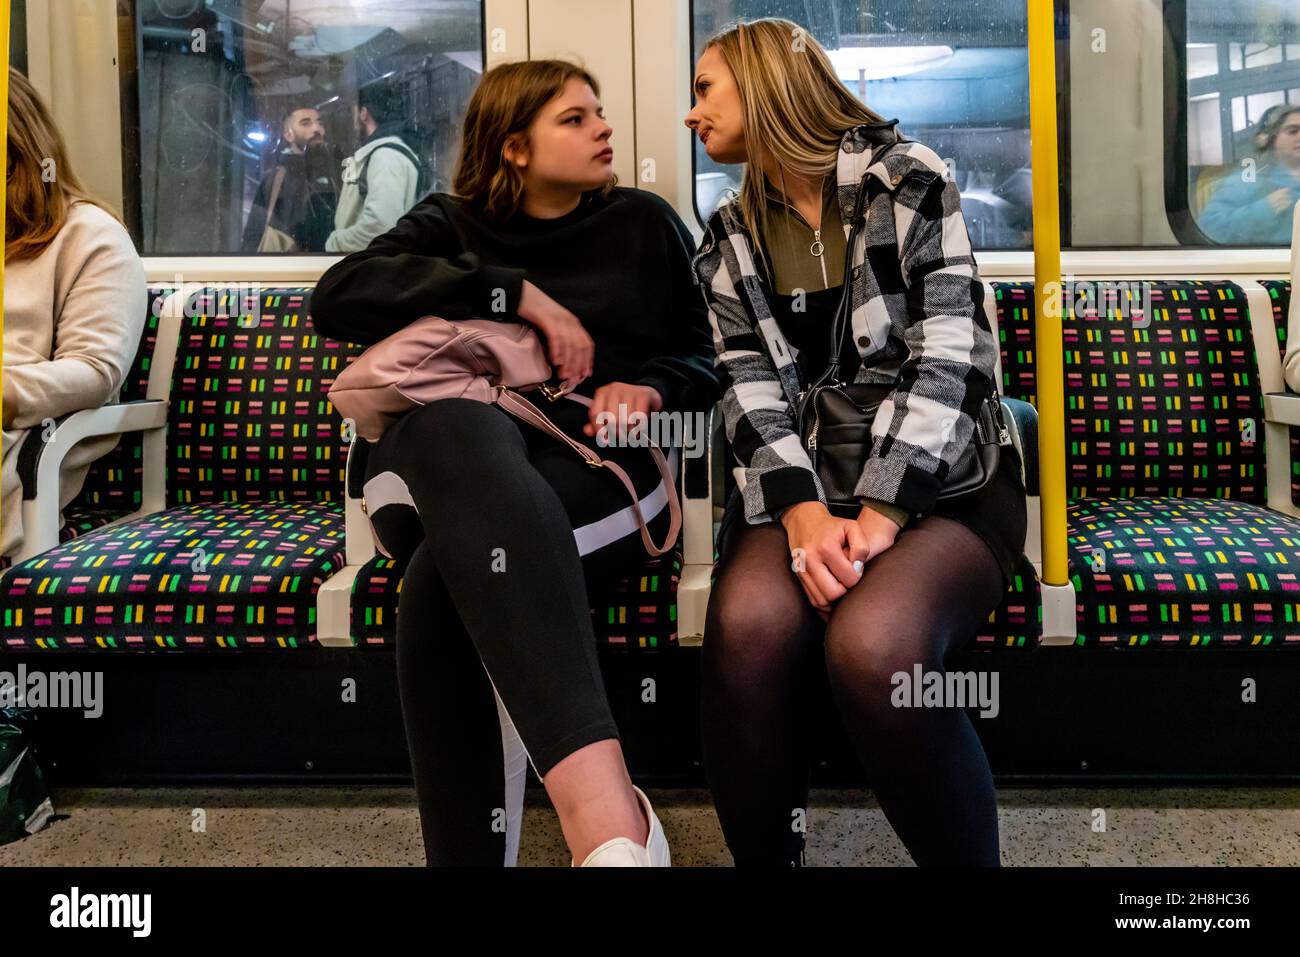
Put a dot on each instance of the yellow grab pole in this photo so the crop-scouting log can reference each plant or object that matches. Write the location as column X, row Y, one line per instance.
column 1047, row 287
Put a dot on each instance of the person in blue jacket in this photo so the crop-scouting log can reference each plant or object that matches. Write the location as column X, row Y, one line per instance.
column 1259, row 212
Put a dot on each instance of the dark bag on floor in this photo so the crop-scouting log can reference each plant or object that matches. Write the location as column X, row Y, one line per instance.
column 25, row 804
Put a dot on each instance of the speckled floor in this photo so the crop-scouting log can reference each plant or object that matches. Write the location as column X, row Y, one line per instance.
column 371, row 825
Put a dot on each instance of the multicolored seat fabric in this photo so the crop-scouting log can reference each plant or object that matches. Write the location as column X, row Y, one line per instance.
column 79, row 521
column 1015, row 306
column 1279, row 291
column 251, row 419
column 1166, row 572
column 1170, row 408
column 640, row 612
column 1164, row 441
column 211, row 576
column 1018, row 622
column 1162, row 405
column 254, row 523
column 636, row 614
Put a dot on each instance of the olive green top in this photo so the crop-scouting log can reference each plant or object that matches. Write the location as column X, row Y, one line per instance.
column 789, row 243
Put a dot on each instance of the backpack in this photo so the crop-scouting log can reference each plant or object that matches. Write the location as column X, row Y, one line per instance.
column 423, row 179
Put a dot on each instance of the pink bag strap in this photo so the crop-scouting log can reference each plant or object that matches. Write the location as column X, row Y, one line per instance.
column 522, row 409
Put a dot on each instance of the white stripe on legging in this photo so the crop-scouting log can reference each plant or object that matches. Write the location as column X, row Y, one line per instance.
column 622, row 523
column 515, row 758
column 388, row 488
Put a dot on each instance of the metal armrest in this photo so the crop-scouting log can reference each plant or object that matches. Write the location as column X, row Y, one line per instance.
column 41, row 459
column 1282, row 407
column 360, row 538
column 701, row 483
column 334, row 598
column 40, row 463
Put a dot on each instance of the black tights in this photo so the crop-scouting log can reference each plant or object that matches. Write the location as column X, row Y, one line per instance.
column 916, row 601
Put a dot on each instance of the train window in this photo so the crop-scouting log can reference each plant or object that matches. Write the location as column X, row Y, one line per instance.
column 18, row 35
column 1240, row 180
column 250, row 106
column 956, row 76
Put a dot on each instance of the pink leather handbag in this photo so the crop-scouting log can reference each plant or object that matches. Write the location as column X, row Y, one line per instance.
column 435, row 358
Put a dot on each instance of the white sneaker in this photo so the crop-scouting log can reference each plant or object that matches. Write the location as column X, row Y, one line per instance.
column 624, row 852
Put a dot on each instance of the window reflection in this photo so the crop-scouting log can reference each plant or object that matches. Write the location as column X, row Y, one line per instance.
column 1243, row 125
column 296, row 126
column 957, row 78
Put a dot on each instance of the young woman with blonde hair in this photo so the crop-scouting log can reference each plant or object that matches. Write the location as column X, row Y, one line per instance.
column 908, row 579
column 74, row 301
column 503, row 530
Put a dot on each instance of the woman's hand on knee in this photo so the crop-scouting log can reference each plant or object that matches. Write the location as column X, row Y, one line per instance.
column 827, row 553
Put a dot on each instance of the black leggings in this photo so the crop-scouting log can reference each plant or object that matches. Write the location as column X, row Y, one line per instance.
column 503, row 530
column 767, row 652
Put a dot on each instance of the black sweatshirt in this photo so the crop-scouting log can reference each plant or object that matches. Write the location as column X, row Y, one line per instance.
column 620, row 263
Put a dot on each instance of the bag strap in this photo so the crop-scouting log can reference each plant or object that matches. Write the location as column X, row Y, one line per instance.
column 843, row 311
column 363, row 183
column 840, row 323
column 276, row 183
column 522, row 409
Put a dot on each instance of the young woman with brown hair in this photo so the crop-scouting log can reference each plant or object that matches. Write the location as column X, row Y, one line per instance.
column 506, row 529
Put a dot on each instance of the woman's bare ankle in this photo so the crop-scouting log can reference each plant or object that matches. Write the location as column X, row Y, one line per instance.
column 593, row 795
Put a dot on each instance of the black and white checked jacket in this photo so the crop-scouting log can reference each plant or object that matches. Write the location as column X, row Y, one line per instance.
column 918, row 321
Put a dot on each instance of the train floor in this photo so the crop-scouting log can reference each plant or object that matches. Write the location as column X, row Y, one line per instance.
column 379, row 825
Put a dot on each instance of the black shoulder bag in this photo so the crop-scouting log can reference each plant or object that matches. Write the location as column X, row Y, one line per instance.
column 835, row 417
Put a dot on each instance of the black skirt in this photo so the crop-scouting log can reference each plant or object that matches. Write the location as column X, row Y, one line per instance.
column 997, row 513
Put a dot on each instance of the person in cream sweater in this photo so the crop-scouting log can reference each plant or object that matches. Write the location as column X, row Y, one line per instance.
column 74, row 304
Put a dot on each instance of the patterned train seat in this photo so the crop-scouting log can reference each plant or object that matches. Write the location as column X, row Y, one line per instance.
column 636, row 614
column 254, row 523
column 1018, row 622
column 1170, row 541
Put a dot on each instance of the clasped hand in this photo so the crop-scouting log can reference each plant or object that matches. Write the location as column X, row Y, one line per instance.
column 828, row 554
